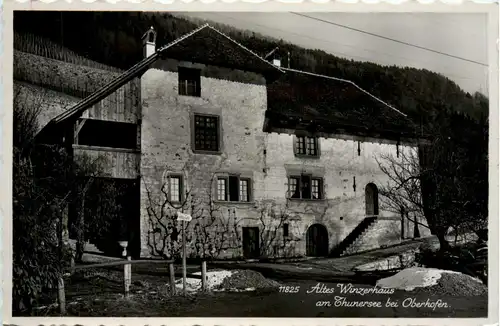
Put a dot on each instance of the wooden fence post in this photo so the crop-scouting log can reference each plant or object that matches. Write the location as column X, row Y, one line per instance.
column 172, row 278
column 61, row 296
column 126, row 277
column 129, row 272
column 204, row 275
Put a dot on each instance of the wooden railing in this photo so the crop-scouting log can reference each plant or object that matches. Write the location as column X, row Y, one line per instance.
column 127, row 276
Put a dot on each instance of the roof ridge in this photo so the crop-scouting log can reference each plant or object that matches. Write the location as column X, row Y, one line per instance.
column 183, row 37
column 349, row 82
column 244, row 47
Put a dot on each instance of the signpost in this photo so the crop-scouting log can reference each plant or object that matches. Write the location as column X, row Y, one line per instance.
column 184, row 218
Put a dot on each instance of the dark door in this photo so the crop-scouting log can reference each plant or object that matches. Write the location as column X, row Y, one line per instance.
column 251, row 242
column 371, row 199
column 317, row 241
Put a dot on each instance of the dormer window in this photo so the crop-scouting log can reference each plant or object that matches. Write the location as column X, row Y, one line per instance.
column 306, row 146
column 189, row 82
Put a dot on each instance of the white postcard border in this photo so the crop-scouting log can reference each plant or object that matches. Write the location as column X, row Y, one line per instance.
column 450, row 6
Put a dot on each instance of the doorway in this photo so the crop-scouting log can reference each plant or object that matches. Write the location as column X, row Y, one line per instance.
column 371, row 199
column 251, row 242
column 317, row 241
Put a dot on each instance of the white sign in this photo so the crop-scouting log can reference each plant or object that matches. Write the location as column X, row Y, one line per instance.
column 183, row 217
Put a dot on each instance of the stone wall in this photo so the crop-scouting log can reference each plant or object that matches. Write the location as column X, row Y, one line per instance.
column 240, row 99
column 166, row 140
column 266, row 158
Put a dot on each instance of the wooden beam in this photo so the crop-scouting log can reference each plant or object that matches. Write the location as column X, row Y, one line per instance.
column 78, row 128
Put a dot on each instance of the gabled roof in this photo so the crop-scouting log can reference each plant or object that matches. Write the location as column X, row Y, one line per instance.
column 303, row 100
column 201, row 45
column 209, row 45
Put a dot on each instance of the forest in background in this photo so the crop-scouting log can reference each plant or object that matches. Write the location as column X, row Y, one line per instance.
column 98, row 36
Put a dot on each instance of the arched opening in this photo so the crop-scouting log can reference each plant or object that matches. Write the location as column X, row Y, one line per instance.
column 371, row 199
column 317, row 241
column 152, row 36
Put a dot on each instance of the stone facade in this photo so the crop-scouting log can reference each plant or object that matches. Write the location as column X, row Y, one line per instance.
column 267, row 159
column 166, row 140
column 345, row 164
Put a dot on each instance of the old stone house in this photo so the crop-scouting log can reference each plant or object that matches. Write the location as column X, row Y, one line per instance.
column 269, row 161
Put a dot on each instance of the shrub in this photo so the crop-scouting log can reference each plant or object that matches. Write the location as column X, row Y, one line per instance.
column 37, row 257
column 467, row 258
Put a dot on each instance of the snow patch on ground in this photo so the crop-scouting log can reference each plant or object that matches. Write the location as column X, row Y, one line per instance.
column 214, row 279
column 234, row 290
column 411, row 278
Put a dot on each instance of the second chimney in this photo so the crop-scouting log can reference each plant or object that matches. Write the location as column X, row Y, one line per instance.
column 149, row 43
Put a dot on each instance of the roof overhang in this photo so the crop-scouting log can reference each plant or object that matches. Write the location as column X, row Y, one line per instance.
column 287, row 124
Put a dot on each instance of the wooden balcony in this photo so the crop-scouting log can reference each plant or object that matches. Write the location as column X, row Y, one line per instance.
column 115, row 162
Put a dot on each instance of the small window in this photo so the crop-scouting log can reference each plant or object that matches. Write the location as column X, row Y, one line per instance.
column 175, row 188
column 189, row 82
column 233, row 188
column 244, row 190
column 221, row 189
column 307, row 146
column 285, row 230
column 206, row 133
column 305, row 187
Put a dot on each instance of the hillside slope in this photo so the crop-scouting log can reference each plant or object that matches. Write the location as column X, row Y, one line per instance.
column 96, row 35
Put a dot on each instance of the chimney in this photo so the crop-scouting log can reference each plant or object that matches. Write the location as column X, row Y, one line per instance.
column 149, row 43
column 276, row 58
column 277, row 61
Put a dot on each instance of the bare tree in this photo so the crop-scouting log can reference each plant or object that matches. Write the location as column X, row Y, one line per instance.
column 215, row 228
column 403, row 190
column 433, row 172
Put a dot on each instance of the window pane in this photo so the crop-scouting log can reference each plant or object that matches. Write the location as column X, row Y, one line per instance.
column 316, row 188
column 311, row 146
column 175, row 191
column 206, row 133
column 191, row 87
column 244, row 190
column 221, row 189
column 189, row 82
column 293, row 188
column 301, row 145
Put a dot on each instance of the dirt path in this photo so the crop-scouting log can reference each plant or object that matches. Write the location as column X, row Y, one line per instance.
column 276, row 304
column 326, row 269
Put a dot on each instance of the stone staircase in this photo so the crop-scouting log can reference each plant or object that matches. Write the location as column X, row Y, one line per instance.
column 367, row 240
column 347, row 245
